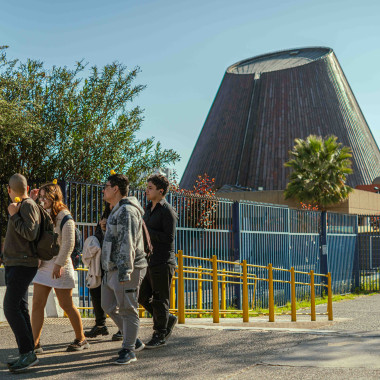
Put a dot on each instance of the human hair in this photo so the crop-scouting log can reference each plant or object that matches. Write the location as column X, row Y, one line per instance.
column 160, row 181
column 107, row 210
column 18, row 184
column 54, row 194
column 121, row 181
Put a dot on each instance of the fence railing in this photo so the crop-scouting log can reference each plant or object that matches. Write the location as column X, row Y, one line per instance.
column 214, row 271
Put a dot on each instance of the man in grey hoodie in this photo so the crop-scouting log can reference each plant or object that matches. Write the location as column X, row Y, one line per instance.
column 124, row 263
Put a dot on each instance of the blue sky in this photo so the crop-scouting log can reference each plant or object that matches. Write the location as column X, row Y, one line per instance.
column 184, row 48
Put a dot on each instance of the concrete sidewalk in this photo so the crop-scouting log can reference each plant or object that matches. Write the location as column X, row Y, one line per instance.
column 347, row 348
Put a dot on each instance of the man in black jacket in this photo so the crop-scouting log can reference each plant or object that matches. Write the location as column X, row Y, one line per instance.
column 160, row 219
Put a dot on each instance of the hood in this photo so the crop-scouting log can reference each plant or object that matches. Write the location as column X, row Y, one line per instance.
column 133, row 201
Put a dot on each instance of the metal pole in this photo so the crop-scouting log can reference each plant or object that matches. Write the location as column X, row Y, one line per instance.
column 223, row 305
column 200, row 291
column 181, row 289
column 245, row 292
column 271, row 293
column 329, row 298
column 312, row 296
column 215, row 293
column 293, row 294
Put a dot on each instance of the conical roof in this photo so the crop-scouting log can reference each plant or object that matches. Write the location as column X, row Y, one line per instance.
column 266, row 102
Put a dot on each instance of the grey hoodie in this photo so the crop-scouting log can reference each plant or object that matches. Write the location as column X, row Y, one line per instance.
column 123, row 245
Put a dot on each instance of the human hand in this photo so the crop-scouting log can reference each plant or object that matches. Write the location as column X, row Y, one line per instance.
column 103, row 224
column 34, row 194
column 57, row 271
column 13, row 208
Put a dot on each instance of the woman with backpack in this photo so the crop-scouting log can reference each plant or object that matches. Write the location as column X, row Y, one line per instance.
column 57, row 273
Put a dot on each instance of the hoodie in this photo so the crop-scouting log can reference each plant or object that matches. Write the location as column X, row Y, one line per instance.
column 123, row 245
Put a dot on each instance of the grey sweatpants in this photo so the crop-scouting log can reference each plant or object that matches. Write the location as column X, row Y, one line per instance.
column 120, row 302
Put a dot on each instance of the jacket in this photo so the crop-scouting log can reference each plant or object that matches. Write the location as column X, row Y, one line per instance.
column 91, row 259
column 22, row 231
column 161, row 224
column 123, row 245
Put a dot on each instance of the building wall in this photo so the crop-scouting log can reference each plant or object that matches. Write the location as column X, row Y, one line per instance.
column 359, row 201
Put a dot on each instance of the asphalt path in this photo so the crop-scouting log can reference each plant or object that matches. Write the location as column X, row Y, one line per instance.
column 348, row 348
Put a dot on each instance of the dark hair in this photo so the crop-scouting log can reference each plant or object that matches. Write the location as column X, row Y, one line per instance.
column 121, row 181
column 107, row 210
column 160, row 181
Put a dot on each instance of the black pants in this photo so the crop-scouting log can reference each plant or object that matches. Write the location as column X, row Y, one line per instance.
column 96, row 298
column 154, row 294
column 17, row 280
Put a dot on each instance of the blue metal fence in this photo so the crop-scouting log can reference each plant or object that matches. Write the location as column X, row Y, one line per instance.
column 236, row 231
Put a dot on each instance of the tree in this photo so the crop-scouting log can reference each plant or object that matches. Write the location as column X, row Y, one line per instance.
column 59, row 124
column 319, row 171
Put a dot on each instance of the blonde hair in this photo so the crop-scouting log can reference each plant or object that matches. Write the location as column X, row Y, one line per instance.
column 54, row 194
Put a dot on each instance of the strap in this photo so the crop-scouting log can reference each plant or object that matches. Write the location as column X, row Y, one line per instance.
column 130, row 290
column 65, row 219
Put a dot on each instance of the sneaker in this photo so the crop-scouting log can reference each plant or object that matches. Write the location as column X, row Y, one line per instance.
column 125, row 357
column 139, row 345
column 156, row 341
column 9, row 364
column 118, row 336
column 24, row 362
column 95, row 331
column 171, row 323
column 77, row 345
column 38, row 349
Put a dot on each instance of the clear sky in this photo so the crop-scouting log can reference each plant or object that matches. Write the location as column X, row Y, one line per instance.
column 184, row 47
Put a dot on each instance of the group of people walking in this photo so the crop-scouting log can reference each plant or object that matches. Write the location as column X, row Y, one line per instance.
column 129, row 277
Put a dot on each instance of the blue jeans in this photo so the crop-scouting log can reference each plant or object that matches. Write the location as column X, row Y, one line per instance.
column 17, row 280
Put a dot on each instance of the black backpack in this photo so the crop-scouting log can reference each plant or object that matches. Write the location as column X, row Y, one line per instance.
column 46, row 246
column 75, row 254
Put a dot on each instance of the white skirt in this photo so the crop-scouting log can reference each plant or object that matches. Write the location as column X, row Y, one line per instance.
column 45, row 271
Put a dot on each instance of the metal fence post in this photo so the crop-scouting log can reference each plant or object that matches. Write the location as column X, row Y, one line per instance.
column 200, row 292
column 181, row 289
column 356, row 268
column 329, row 298
column 323, row 256
column 223, row 304
column 245, row 292
column 271, row 293
column 215, row 293
column 312, row 296
column 236, row 245
column 293, row 294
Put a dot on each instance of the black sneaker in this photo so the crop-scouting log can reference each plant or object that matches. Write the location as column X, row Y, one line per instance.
column 171, row 323
column 139, row 345
column 38, row 349
column 125, row 357
column 24, row 362
column 9, row 364
column 95, row 331
column 118, row 336
column 77, row 345
column 157, row 340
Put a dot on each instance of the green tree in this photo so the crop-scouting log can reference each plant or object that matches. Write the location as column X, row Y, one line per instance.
column 319, row 171
column 61, row 123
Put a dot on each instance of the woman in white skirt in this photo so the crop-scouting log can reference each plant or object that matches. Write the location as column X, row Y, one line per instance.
column 57, row 273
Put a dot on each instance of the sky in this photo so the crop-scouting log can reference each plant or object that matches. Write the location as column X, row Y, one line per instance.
column 183, row 48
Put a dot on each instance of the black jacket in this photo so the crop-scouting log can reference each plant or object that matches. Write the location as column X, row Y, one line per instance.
column 161, row 224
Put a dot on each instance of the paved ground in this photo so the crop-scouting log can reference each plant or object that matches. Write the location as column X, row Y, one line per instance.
column 349, row 348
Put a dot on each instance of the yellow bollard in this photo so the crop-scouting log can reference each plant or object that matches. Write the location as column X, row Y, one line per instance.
column 245, row 292
column 141, row 311
column 223, row 305
column 215, row 293
column 181, row 289
column 312, row 296
column 271, row 293
column 293, row 294
column 329, row 298
column 172, row 294
column 200, row 291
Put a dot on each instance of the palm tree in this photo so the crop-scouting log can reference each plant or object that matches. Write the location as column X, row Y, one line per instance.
column 320, row 168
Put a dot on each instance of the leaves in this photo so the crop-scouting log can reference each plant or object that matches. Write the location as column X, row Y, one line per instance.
column 57, row 124
column 319, row 172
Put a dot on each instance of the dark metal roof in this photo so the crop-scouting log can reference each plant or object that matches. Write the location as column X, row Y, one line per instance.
column 255, row 118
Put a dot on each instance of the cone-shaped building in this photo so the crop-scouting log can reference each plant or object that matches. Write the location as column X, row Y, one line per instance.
column 263, row 104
